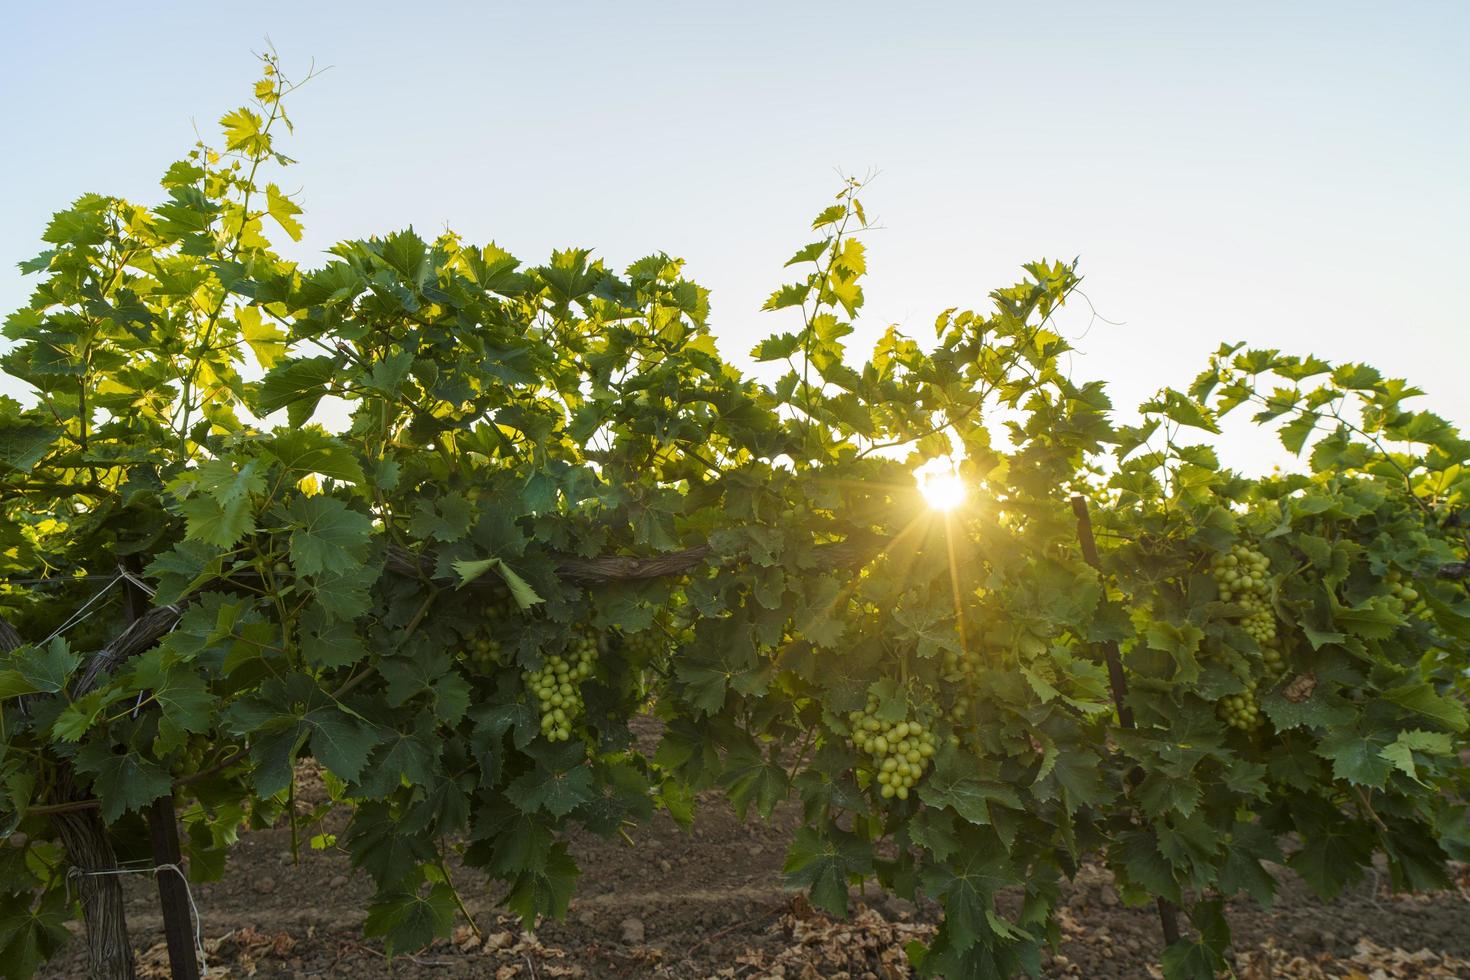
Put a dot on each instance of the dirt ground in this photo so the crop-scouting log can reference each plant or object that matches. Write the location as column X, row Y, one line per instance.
column 710, row 904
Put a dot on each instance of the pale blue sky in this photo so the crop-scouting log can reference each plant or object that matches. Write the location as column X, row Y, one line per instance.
column 1292, row 175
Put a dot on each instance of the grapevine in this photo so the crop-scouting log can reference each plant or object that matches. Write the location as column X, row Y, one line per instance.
column 555, row 507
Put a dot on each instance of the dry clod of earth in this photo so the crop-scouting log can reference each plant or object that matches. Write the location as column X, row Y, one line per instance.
column 236, row 954
column 864, row 947
column 1368, row 962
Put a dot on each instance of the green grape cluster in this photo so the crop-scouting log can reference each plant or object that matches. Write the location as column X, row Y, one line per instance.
column 1242, row 711
column 955, row 668
column 1403, row 595
column 959, row 670
column 484, row 649
column 646, row 645
column 900, row 752
column 960, row 710
column 191, row 757
column 1243, row 575
column 557, row 685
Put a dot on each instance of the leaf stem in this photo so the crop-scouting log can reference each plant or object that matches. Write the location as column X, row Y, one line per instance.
column 443, row 866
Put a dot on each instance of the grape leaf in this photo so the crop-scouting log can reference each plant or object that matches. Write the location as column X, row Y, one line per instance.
column 284, row 210
column 38, row 669
column 309, row 449
column 24, row 444
column 750, row 778
column 1333, row 854
column 1138, row 856
column 967, row 885
column 1400, row 754
column 31, row 932
column 1202, row 958
column 556, row 791
column 1357, row 756
column 267, row 340
column 823, row 863
column 122, row 780
column 377, row 844
column 520, row 589
column 290, row 712
column 326, row 535
column 1180, row 642
column 546, row 891
column 177, row 690
column 409, row 920
column 1421, row 697
column 1160, row 793
column 215, row 523
column 960, row 782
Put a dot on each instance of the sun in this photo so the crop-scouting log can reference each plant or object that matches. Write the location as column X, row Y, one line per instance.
column 940, row 484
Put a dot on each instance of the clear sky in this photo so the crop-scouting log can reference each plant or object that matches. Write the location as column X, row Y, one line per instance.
column 1289, row 174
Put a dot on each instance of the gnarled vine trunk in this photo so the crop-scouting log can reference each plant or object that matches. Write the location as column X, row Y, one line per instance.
column 109, row 953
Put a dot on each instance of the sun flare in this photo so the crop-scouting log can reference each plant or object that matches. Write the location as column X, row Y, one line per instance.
column 940, row 484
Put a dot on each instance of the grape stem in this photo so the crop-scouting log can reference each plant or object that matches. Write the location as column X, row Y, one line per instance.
column 801, row 754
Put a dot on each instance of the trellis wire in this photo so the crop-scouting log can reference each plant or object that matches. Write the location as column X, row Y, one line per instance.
column 81, row 614
column 136, row 581
column 143, row 868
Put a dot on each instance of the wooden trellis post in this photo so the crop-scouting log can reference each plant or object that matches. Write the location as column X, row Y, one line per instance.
column 163, row 833
column 173, row 889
